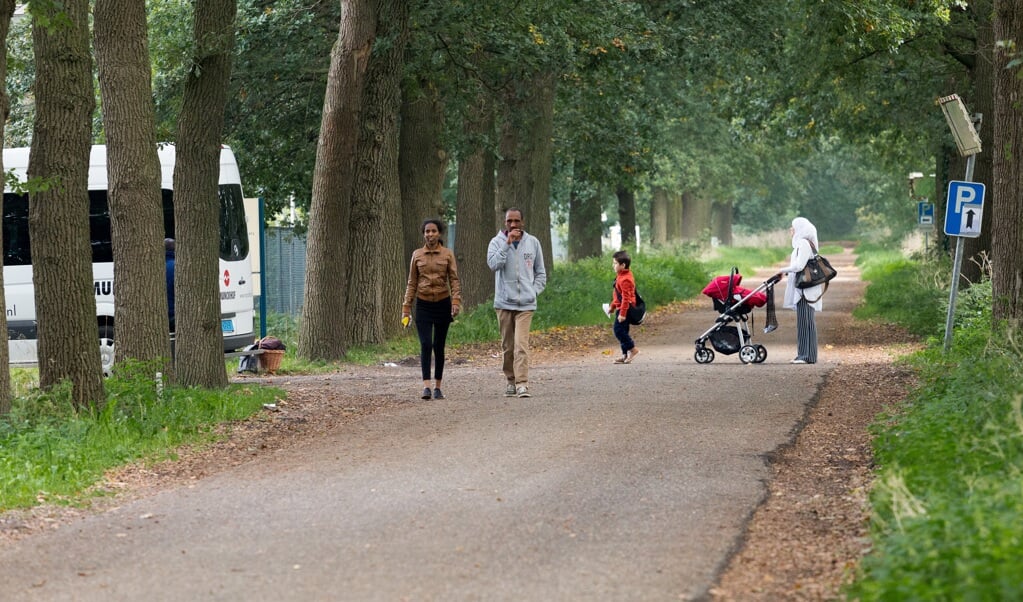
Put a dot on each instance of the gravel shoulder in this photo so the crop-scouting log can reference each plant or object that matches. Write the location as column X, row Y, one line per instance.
column 802, row 542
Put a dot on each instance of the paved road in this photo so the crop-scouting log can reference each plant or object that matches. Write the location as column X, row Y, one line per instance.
column 611, row 483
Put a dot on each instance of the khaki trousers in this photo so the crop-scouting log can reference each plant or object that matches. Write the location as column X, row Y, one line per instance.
column 515, row 344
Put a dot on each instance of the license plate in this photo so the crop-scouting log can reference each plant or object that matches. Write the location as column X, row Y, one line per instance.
column 227, row 326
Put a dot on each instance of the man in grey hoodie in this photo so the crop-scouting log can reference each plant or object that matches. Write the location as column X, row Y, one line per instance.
column 516, row 259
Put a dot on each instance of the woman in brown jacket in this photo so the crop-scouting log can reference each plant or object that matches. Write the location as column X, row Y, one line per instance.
column 434, row 286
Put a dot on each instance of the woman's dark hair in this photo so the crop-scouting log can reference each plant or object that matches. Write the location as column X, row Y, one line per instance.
column 435, row 222
column 623, row 258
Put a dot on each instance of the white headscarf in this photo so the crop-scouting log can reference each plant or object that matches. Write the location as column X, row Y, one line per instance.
column 803, row 229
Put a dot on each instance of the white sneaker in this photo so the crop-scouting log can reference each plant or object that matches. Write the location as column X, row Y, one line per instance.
column 510, row 390
column 798, row 361
column 521, row 391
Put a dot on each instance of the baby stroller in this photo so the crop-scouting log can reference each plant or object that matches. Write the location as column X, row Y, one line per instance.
column 735, row 305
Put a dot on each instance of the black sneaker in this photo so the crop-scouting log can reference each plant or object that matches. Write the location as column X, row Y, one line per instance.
column 437, row 394
column 426, row 393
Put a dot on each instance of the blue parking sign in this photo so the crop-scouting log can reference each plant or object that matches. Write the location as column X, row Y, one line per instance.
column 925, row 213
column 964, row 208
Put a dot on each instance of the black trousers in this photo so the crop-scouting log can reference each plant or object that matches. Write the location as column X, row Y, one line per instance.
column 432, row 321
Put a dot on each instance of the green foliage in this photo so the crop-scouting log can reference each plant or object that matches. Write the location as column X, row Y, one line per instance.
column 903, row 292
column 747, row 259
column 947, row 500
column 50, row 451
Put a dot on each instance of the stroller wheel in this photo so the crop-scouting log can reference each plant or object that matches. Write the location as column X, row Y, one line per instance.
column 748, row 354
column 761, row 354
column 704, row 355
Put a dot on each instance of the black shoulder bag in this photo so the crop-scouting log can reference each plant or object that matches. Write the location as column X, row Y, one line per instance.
column 817, row 271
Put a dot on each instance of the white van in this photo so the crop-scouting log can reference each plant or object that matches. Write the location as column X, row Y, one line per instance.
column 234, row 276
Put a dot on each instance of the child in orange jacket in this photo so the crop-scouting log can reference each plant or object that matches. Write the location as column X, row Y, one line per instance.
column 624, row 297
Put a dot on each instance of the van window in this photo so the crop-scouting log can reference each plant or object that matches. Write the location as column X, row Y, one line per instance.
column 15, row 224
column 234, row 232
column 234, row 239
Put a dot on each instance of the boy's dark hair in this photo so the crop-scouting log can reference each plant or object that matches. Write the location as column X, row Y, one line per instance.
column 623, row 258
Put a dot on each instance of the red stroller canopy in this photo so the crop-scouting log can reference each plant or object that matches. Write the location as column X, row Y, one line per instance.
column 717, row 289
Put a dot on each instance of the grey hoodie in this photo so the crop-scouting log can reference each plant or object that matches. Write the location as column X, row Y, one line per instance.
column 519, row 275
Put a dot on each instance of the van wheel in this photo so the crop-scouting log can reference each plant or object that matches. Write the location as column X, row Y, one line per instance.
column 106, row 349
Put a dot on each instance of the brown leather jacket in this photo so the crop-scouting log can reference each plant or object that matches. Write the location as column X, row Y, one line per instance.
column 432, row 276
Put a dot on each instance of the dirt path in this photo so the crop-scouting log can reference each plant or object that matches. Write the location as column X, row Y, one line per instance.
column 794, row 529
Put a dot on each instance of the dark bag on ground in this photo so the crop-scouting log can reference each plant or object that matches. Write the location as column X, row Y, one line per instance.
column 249, row 363
column 817, row 271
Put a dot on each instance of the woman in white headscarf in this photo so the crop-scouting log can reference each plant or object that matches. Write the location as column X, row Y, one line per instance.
column 806, row 301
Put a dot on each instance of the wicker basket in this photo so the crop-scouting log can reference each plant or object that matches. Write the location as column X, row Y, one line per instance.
column 270, row 360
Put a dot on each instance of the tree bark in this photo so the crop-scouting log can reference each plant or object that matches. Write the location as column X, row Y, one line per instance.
column 659, row 217
column 722, row 221
column 133, row 168
column 475, row 211
column 6, row 12
column 59, row 216
column 981, row 101
column 376, row 177
column 584, row 226
column 321, row 332
column 524, row 170
column 422, row 161
column 542, row 136
column 696, row 217
column 199, row 340
column 394, row 261
column 675, row 209
column 627, row 215
column 1007, row 282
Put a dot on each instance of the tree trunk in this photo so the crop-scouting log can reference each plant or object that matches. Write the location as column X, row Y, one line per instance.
column 321, row 332
column 981, row 101
column 584, row 226
column 696, row 217
column 133, row 168
column 524, row 171
column 542, row 136
column 627, row 215
column 394, row 261
column 475, row 212
column 6, row 12
column 59, row 217
column 1007, row 282
column 722, row 221
column 199, row 352
column 376, row 175
column 675, row 218
column 659, row 217
column 940, row 180
column 422, row 161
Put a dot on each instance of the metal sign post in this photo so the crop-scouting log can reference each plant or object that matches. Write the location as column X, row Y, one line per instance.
column 963, row 205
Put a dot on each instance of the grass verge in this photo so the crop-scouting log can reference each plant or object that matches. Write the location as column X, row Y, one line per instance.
column 52, row 452
column 946, row 499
